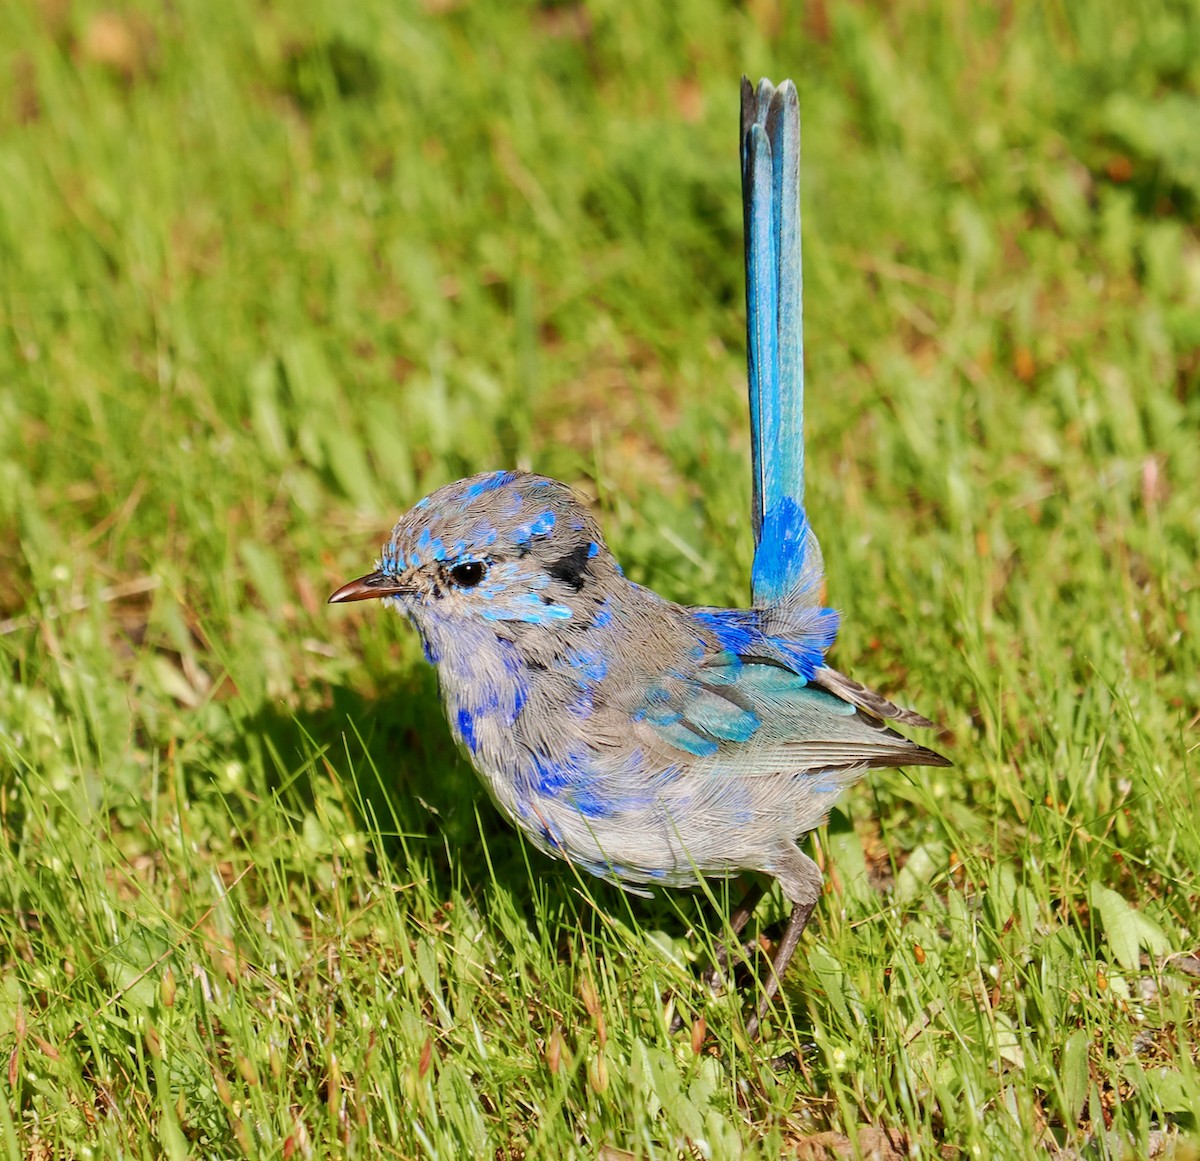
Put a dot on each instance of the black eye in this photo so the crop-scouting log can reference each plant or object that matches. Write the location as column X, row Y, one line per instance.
column 468, row 574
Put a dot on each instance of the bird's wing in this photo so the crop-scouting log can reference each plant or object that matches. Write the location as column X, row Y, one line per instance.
column 874, row 703
column 762, row 718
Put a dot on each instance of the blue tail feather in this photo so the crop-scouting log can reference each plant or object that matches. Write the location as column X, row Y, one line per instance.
column 762, row 309
column 785, row 546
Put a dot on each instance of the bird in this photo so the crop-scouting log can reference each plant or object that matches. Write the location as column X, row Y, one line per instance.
column 651, row 743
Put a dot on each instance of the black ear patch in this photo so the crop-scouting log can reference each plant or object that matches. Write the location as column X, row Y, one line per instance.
column 572, row 568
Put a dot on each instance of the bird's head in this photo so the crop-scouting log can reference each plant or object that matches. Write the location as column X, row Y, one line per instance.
column 493, row 548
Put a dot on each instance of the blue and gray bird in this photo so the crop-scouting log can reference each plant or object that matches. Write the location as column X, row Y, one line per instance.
column 647, row 742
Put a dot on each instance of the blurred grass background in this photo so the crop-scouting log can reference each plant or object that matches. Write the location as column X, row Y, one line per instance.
column 270, row 272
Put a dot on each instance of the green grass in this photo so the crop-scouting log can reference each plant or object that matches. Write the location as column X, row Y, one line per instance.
column 268, row 273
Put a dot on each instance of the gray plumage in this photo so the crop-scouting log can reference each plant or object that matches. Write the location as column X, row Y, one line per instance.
column 645, row 741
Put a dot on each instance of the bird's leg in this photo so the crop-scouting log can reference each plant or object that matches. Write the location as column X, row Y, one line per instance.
column 714, row 978
column 780, row 961
column 738, row 919
column 801, row 881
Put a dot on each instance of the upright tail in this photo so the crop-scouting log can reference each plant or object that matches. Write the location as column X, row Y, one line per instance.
column 788, row 571
column 787, row 560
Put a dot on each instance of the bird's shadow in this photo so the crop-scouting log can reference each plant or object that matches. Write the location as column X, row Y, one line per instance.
column 427, row 816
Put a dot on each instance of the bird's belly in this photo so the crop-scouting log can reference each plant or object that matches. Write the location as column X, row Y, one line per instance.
column 673, row 832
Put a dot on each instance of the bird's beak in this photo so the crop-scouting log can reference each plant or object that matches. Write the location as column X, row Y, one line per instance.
column 365, row 588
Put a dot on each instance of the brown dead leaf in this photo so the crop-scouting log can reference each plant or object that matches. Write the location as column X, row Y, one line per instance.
column 872, row 1145
column 689, row 100
column 120, row 42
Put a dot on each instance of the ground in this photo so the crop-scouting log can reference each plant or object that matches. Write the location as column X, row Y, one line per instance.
column 268, row 273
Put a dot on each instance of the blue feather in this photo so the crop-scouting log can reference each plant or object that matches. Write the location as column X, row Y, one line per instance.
column 719, row 717
column 774, row 334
